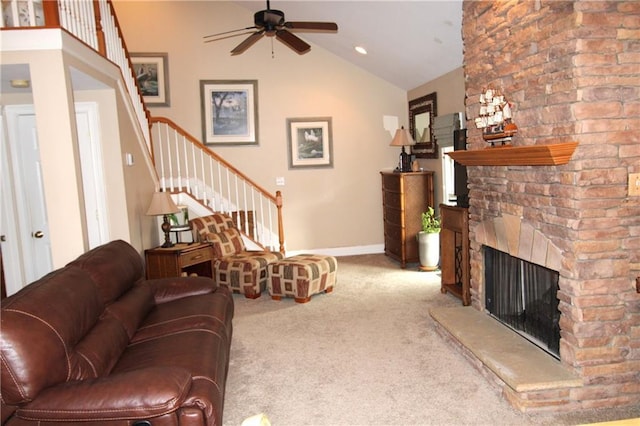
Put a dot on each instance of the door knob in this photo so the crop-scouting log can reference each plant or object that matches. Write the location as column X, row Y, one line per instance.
column 38, row 234
column 3, row 238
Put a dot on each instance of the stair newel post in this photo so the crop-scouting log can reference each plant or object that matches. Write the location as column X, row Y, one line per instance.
column 51, row 13
column 280, row 224
column 102, row 44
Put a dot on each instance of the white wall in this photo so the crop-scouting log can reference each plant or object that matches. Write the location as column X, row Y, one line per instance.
column 323, row 208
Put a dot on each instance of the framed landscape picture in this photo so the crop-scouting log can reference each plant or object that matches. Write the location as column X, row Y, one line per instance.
column 229, row 111
column 309, row 142
column 152, row 73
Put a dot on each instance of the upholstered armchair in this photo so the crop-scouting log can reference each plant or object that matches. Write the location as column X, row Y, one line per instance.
column 243, row 271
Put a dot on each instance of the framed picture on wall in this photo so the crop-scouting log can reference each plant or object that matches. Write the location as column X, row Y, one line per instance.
column 152, row 73
column 310, row 142
column 229, row 112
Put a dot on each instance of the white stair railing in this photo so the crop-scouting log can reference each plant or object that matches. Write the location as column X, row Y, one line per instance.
column 98, row 28
column 184, row 164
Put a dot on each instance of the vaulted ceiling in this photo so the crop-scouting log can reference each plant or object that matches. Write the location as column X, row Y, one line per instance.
column 409, row 43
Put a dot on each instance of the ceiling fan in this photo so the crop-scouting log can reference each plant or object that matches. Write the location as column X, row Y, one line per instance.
column 271, row 22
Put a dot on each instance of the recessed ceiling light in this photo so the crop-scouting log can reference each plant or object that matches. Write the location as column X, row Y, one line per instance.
column 20, row 84
column 361, row 50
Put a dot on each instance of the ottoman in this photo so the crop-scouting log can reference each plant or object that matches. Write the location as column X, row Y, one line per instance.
column 302, row 276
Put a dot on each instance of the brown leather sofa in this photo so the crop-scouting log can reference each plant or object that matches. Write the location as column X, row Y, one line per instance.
column 96, row 342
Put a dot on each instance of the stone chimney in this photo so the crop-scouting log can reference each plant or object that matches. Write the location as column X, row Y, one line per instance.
column 571, row 70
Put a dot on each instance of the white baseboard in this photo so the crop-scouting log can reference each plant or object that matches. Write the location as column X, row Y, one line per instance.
column 341, row 251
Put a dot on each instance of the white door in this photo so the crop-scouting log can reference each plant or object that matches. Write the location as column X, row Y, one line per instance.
column 92, row 173
column 28, row 250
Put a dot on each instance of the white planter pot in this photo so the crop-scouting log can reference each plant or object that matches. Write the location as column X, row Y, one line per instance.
column 429, row 250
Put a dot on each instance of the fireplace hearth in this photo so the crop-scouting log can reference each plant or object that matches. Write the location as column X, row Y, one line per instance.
column 523, row 296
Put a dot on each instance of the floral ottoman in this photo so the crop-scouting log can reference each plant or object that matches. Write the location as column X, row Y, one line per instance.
column 302, row 276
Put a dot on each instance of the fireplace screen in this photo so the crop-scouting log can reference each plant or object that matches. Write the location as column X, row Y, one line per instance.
column 523, row 296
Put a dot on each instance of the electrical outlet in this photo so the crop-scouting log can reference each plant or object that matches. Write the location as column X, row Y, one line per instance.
column 634, row 184
column 280, row 181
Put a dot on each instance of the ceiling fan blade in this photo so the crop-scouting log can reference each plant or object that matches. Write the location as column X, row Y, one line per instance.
column 228, row 36
column 311, row 26
column 247, row 43
column 229, row 32
column 293, row 41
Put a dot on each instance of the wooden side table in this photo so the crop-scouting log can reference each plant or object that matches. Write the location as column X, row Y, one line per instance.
column 182, row 258
column 454, row 252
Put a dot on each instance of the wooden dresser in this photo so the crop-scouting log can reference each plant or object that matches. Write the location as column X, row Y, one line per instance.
column 404, row 197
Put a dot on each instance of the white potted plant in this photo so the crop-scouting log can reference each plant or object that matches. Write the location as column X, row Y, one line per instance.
column 429, row 241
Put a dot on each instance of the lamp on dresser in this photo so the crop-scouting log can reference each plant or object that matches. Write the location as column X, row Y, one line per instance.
column 403, row 138
column 162, row 205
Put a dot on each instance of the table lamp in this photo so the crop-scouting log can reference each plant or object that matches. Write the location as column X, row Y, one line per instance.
column 403, row 138
column 162, row 205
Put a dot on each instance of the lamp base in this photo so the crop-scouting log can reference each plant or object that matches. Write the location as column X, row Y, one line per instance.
column 405, row 162
column 166, row 227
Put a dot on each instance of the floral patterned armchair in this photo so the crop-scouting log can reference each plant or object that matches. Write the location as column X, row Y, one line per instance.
column 243, row 271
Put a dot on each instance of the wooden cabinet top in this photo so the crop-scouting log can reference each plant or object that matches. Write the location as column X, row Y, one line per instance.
column 391, row 172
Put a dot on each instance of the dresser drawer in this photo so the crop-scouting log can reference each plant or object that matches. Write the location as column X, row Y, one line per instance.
column 392, row 231
column 392, row 199
column 393, row 216
column 195, row 256
column 391, row 183
column 393, row 247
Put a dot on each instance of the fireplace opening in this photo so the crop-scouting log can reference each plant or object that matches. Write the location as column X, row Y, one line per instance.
column 523, row 296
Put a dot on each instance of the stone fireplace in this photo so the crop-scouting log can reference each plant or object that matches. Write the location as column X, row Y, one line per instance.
column 570, row 70
column 524, row 297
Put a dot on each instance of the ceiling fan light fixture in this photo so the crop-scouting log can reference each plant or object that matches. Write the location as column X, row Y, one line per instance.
column 361, row 50
column 272, row 23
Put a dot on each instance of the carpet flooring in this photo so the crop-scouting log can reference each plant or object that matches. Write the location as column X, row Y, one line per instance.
column 365, row 354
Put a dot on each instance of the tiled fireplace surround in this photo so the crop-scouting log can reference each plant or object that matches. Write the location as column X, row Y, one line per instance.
column 570, row 69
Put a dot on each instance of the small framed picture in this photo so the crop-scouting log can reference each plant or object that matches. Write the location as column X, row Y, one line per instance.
column 229, row 112
column 310, row 142
column 152, row 73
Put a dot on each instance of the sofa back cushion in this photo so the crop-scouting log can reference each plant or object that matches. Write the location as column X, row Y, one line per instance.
column 41, row 326
column 211, row 224
column 72, row 324
column 115, row 267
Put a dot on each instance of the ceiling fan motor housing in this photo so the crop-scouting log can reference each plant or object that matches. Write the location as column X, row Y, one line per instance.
column 270, row 19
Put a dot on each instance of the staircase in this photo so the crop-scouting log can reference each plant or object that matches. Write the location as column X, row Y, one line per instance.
column 184, row 166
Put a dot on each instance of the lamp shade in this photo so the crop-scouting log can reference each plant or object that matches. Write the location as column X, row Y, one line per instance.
column 162, row 203
column 402, row 138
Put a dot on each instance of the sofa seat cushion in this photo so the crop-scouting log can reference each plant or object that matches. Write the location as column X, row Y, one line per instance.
column 204, row 353
column 84, row 400
column 245, row 272
column 212, row 311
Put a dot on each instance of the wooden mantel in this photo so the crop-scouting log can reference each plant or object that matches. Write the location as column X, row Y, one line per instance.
column 533, row 155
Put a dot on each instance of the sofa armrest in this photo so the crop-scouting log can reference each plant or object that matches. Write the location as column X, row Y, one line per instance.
column 168, row 289
column 134, row 395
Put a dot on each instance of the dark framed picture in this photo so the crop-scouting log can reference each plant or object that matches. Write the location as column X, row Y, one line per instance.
column 152, row 73
column 310, row 142
column 229, row 112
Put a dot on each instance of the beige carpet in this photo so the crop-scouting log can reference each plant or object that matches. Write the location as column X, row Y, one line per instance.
column 366, row 354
